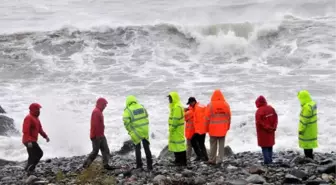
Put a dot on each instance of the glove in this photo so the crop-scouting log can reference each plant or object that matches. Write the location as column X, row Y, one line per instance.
column 47, row 139
column 30, row 145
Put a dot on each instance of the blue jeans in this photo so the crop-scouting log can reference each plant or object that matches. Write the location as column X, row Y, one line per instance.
column 267, row 153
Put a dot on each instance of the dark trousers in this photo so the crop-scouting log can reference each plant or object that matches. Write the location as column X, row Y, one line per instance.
column 181, row 158
column 35, row 153
column 148, row 153
column 267, row 153
column 309, row 153
column 197, row 142
column 98, row 143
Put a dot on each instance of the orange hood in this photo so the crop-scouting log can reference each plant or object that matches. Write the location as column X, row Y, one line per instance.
column 217, row 96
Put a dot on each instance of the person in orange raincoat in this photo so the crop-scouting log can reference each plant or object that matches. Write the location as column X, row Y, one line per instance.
column 218, row 120
column 200, row 130
column 189, row 130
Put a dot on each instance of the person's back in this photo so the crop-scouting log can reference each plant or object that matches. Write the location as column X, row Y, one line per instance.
column 266, row 120
column 136, row 122
column 308, row 130
column 218, row 120
column 218, row 115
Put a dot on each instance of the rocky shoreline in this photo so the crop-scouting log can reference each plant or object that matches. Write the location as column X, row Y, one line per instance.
column 238, row 169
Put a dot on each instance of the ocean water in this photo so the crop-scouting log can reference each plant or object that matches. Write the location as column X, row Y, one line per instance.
column 66, row 54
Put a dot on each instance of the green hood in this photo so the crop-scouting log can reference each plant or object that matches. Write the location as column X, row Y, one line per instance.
column 304, row 97
column 175, row 98
column 131, row 99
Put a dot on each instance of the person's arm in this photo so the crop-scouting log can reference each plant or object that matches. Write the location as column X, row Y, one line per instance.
column 43, row 134
column 127, row 120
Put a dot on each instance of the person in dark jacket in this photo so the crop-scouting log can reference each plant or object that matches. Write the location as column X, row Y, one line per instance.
column 97, row 136
column 31, row 129
column 266, row 120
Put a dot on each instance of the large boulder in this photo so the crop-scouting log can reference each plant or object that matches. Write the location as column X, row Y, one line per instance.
column 127, row 147
column 166, row 154
column 7, row 126
column 2, row 111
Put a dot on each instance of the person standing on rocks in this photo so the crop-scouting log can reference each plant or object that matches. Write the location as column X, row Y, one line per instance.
column 198, row 138
column 31, row 129
column 308, row 124
column 266, row 120
column 97, row 136
column 218, row 120
column 176, row 140
column 136, row 122
column 189, row 131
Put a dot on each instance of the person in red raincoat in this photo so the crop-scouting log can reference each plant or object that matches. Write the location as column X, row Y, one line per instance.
column 31, row 128
column 266, row 120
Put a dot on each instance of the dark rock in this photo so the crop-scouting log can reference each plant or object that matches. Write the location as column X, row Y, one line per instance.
column 5, row 162
column 127, row 147
column 256, row 179
column 2, row 111
column 298, row 173
column 228, row 151
column 48, row 161
column 200, row 180
column 237, row 182
column 31, row 179
column 256, row 170
column 316, row 182
column 7, row 126
column 301, row 160
column 329, row 168
column 326, row 161
column 166, row 154
column 291, row 179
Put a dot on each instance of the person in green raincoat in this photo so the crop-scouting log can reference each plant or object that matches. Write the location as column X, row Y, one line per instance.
column 176, row 140
column 308, row 124
column 136, row 122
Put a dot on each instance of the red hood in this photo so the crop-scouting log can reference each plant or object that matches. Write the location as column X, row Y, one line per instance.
column 217, row 96
column 101, row 102
column 261, row 101
column 34, row 109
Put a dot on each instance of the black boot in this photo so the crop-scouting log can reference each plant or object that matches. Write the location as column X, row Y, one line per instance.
column 108, row 167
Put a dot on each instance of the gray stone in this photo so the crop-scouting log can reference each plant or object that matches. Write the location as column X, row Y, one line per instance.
column 291, row 179
column 256, row 179
column 31, row 179
column 228, row 151
column 329, row 168
column 256, row 170
column 200, row 180
column 238, row 182
column 6, row 178
column 166, row 154
column 298, row 173
column 159, row 179
column 315, row 182
column 326, row 161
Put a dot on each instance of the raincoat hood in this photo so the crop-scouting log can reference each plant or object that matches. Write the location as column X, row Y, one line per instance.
column 175, row 99
column 131, row 99
column 261, row 101
column 304, row 97
column 34, row 109
column 217, row 96
column 101, row 102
